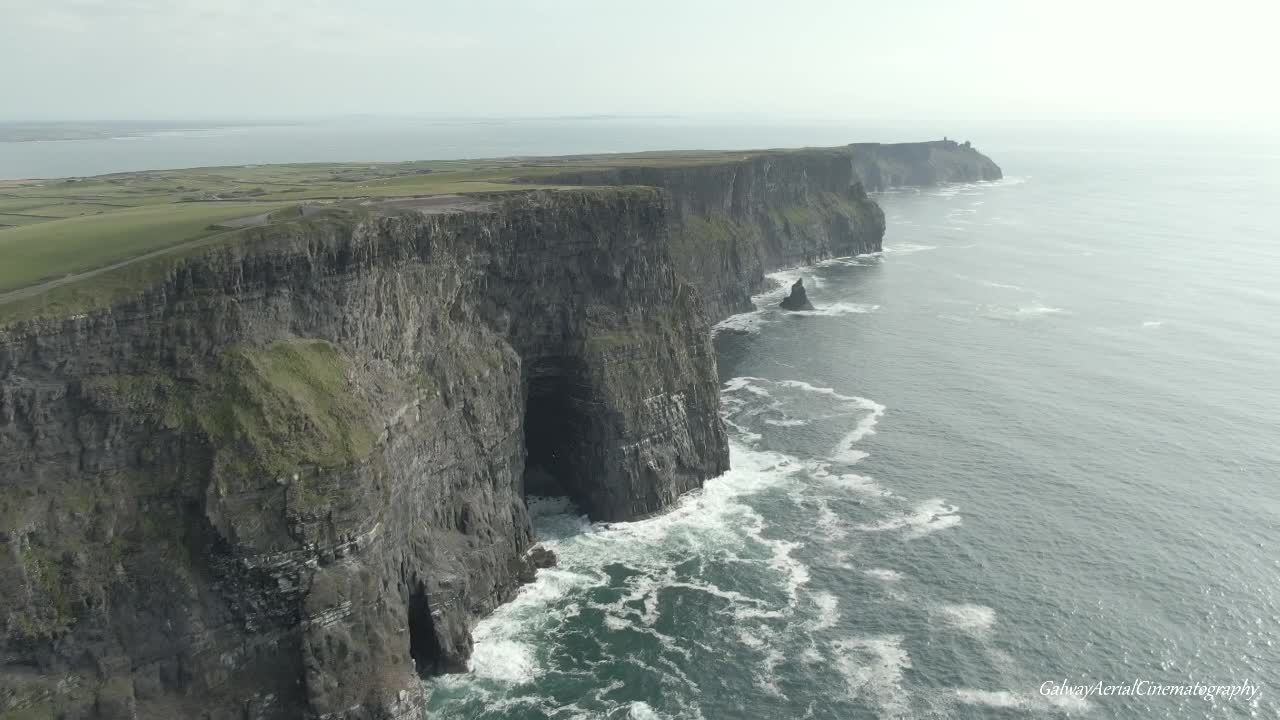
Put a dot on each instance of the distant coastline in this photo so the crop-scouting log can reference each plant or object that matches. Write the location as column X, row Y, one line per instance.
column 27, row 132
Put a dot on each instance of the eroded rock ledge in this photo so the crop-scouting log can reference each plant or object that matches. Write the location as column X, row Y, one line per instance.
column 283, row 480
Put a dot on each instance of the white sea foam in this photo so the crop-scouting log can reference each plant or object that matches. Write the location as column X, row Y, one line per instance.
column 883, row 574
column 782, row 281
column 860, row 484
column 872, row 668
column 851, row 456
column 1006, row 700
column 505, row 660
column 746, row 323
column 1152, row 323
column 1039, row 310
column 752, row 385
column 786, row 422
column 711, row 523
column 643, row 711
column 807, row 387
column 767, row 676
column 977, row 619
column 836, row 309
column 994, row 699
column 855, row 261
column 845, row 451
column 749, row 402
column 827, row 607
column 766, row 311
column 1004, row 286
column 747, row 636
column 752, row 402
column 502, row 651
column 906, row 248
column 780, row 284
column 829, row 522
column 928, row 517
column 1024, row 312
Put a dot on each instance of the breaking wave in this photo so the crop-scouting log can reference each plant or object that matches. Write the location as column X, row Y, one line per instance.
column 766, row 303
column 926, row 518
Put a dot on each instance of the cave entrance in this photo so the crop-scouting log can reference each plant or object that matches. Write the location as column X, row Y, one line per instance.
column 424, row 645
column 556, row 434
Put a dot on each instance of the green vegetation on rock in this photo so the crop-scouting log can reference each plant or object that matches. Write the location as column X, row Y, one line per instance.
column 796, row 215
column 286, row 405
column 707, row 236
column 274, row 408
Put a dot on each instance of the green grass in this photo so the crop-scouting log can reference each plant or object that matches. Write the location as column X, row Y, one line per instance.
column 16, row 220
column 43, row 251
column 271, row 409
column 71, row 209
column 108, row 286
column 707, row 238
column 287, row 404
column 51, row 230
column 796, row 215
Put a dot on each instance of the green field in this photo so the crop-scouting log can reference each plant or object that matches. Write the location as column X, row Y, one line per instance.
column 44, row 251
column 57, row 233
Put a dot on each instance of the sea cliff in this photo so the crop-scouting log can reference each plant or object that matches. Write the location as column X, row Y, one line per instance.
column 283, row 478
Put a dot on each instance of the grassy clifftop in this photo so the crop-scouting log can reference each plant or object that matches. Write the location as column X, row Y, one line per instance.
column 49, row 228
column 74, row 244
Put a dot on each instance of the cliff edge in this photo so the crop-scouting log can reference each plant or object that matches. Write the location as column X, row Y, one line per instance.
column 283, row 476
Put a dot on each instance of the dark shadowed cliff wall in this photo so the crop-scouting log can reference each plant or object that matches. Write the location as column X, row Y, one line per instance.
column 735, row 221
column 284, row 479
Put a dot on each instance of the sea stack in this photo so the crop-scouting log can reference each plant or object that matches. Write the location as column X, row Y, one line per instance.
column 798, row 299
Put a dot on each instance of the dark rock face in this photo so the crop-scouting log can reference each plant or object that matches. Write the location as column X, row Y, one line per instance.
column 181, row 538
column 798, row 299
column 733, row 222
column 282, row 482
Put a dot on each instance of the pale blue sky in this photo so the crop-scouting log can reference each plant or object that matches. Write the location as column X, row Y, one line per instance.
column 1141, row 60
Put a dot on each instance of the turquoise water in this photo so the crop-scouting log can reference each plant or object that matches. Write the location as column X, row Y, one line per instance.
column 1034, row 440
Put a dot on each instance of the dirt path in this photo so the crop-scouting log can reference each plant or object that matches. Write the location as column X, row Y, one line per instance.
column 33, row 290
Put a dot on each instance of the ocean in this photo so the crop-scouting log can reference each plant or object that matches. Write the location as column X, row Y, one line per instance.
column 1033, row 443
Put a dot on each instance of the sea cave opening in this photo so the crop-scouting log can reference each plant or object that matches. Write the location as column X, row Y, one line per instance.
column 555, row 429
column 424, row 645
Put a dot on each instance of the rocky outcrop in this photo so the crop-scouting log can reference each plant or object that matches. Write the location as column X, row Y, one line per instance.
column 283, row 480
column 798, row 299
column 883, row 166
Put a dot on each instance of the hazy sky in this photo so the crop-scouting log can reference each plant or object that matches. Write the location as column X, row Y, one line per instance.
column 178, row 59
